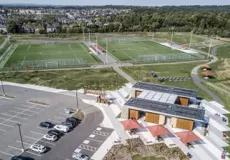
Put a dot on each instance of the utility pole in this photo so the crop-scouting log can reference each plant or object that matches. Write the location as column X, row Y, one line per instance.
column 96, row 40
column 77, row 101
column 3, row 89
column 210, row 46
column 83, row 28
column 19, row 128
column 191, row 40
column 172, row 34
column 89, row 38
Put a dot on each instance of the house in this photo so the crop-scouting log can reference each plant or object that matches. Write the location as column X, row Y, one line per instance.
column 28, row 29
column 51, row 28
column 3, row 28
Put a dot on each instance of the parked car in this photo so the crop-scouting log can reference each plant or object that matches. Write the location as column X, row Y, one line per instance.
column 62, row 128
column 74, row 119
column 21, row 158
column 38, row 148
column 46, row 124
column 55, row 132
column 80, row 156
column 69, row 124
column 50, row 137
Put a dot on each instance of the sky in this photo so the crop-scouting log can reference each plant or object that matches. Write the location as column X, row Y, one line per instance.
column 122, row 2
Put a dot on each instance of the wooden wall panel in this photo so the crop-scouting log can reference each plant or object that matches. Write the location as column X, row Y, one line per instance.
column 137, row 93
column 184, row 124
column 152, row 118
column 184, row 101
column 133, row 114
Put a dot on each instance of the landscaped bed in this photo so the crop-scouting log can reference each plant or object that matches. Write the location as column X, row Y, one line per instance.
column 136, row 146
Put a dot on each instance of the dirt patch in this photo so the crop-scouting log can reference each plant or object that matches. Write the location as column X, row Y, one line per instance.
column 136, row 146
column 79, row 115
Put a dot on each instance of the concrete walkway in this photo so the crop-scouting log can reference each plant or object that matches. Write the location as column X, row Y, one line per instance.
column 4, row 43
column 198, row 81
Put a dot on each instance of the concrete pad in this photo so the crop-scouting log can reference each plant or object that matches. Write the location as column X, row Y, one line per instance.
column 92, row 136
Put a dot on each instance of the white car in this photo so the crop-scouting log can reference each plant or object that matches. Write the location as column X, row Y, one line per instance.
column 80, row 156
column 38, row 148
column 62, row 128
column 50, row 137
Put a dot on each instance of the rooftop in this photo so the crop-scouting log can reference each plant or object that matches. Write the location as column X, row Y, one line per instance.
column 166, row 89
column 166, row 108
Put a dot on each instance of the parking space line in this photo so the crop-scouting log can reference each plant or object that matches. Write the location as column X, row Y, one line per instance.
column 95, row 140
column 6, row 125
column 7, row 114
column 86, row 141
column 31, row 137
column 14, row 147
column 54, row 120
column 22, row 113
column 23, row 105
column 101, row 133
column 24, row 142
column 37, row 133
column 25, row 109
column 33, row 153
column 58, row 117
column 6, row 153
column 77, row 150
column 92, row 136
column 87, row 147
column 46, row 142
column 9, row 120
column 2, row 130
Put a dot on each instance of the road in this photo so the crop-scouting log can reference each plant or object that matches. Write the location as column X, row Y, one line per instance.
column 198, row 81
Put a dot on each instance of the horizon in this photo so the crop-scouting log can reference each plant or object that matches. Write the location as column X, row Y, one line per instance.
column 117, row 2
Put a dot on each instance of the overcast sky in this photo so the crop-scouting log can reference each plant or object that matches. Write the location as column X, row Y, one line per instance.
column 123, row 2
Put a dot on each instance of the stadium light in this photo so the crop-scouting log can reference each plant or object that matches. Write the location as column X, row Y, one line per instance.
column 172, row 34
column 83, row 29
column 191, row 40
column 3, row 88
column 89, row 38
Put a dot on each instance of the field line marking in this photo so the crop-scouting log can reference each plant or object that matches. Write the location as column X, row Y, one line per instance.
column 78, row 59
column 70, row 47
column 6, row 153
column 83, row 47
column 7, row 57
column 23, row 61
column 28, row 48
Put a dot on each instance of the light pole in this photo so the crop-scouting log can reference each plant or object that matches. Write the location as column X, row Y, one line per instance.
column 190, row 40
column 3, row 89
column 83, row 28
column 172, row 35
column 19, row 128
column 77, row 100
column 89, row 38
column 106, row 57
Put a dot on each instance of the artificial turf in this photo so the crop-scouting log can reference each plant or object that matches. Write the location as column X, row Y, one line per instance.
column 128, row 50
column 34, row 52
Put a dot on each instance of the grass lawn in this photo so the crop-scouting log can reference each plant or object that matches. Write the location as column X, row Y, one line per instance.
column 143, row 73
column 58, row 51
column 138, row 157
column 2, row 38
column 100, row 79
column 128, row 50
column 223, row 51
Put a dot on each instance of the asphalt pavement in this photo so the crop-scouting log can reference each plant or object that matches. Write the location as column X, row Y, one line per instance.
column 29, row 115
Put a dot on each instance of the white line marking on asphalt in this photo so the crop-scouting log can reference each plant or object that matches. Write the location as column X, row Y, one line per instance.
column 14, row 147
column 44, row 141
column 87, row 147
column 58, row 117
column 54, row 120
column 33, row 153
column 45, row 129
column 23, row 105
column 7, row 114
column 100, row 133
column 92, row 136
column 10, row 120
column 22, row 113
column 7, row 125
column 37, row 133
column 24, row 142
column 6, row 153
column 86, row 141
column 31, row 137
column 25, row 109
column 2, row 130
column 95, row 140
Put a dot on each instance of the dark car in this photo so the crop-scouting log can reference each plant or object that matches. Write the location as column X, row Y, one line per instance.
column 56, row 133
column 74, row 120
column 69, row 124
column 21, row 158
column 46, row 124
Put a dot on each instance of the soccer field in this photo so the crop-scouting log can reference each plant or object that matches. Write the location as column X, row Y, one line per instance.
column 128, row 50
column 50, row 52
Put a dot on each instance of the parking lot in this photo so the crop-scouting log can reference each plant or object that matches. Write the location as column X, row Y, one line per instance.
column 90, row 145
column 28, row 115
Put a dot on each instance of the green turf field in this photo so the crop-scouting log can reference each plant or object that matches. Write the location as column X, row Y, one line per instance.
column 128, row 50
column 36, row 52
